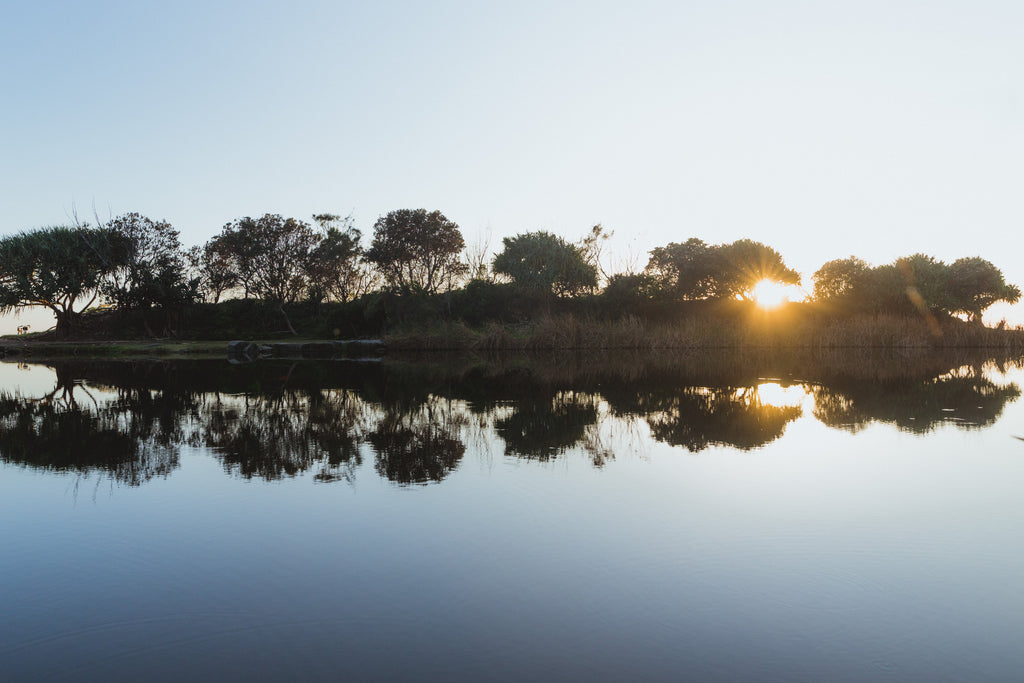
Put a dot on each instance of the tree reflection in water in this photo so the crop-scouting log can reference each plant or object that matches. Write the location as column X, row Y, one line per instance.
column 965, row 397
column 545, row 428
column 699, row 417
column 130, row 420
column 126, row 439
column 286, row 434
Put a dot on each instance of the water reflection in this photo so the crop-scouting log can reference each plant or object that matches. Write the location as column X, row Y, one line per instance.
column 418, row 443
column 131, row 438
column 699, row 417
column 285, row 433
column 965, row 397
column 546, row 426
column 414, row 420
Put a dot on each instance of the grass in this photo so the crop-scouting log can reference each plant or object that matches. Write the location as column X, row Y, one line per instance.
column 111, row 349
column 734, row 326
column 783, row 329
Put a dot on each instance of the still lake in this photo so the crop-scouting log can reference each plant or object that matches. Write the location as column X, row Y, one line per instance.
column 590, row 517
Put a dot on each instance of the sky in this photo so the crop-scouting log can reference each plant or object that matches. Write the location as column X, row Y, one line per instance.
column 823, row 129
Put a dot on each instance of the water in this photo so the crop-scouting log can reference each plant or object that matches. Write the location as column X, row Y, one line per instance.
column 757, row 518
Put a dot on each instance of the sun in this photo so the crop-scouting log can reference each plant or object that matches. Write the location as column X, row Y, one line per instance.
column 771, row 294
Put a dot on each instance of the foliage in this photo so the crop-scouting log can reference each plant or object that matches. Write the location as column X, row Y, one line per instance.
column 914, row 284
column 975, row 284
column 624, row 292
column 591, row 249
column 414, row 249
column 151, row 268
column 683, row 271
column 696, row 270
column 211, row 266
column 744, row 263
column 269, row 257
column 334, row 266
column 542, row 262
column 56, row 268
column 841, row 281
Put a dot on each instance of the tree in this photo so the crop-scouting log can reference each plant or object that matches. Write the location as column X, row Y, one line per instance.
column 696, row 270
column 625, row 291
column 151, row 267
column 270, row 257
column 211, row 264
column 743, row 264
column 842, row 281
column 414, row 249
column 927, row 282
column 545, row 263
column 684, row 271
column 56, row 268
column 334, row 264
column 591, row 248
column 885, row 289
column 975, row 284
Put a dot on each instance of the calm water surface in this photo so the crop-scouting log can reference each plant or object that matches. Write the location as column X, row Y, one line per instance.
column 699, row 518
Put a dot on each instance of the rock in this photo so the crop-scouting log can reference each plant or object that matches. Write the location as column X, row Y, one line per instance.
column 243, row 350
column 318, row 350
column 365, row 347
column 286, row 350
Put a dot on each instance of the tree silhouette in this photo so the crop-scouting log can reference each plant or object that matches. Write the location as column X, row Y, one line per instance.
column 684, row 271
column 269, row 257
column 975, row 284
column 544, row 263
column 696, row 270
column 415, row 249
column 333, row 267
column 57, row 268
column 841, row 282
column 917, row 283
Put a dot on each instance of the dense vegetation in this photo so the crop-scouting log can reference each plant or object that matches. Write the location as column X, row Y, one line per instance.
column 262, row 276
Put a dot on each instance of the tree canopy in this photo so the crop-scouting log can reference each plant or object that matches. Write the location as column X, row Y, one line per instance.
column 545, row 263
column 334, row 263
column 269, row 257
column 151, row 268
column 415, row 249
column 57, row 268
column 918, row 283
column 697, row 270
column 975, row 284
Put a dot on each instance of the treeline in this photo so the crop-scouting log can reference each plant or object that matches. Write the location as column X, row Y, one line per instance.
column 417, row 261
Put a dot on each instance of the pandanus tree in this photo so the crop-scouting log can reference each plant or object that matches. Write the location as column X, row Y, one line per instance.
column 59, row 268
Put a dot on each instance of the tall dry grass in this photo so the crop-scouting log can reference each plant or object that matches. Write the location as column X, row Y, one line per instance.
column 782, row 329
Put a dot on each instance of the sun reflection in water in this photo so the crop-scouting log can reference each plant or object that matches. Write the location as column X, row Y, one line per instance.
column 778, row 396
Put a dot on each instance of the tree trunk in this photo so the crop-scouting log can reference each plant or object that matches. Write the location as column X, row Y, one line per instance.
column 287, row 322
column 65, row 324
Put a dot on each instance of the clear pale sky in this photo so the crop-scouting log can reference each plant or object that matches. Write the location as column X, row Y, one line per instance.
column 823, row 129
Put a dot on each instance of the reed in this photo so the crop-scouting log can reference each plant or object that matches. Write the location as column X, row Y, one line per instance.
column 783, row 329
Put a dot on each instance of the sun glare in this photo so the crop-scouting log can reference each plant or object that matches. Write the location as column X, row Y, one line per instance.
column 775, row 395
column 771, row 294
